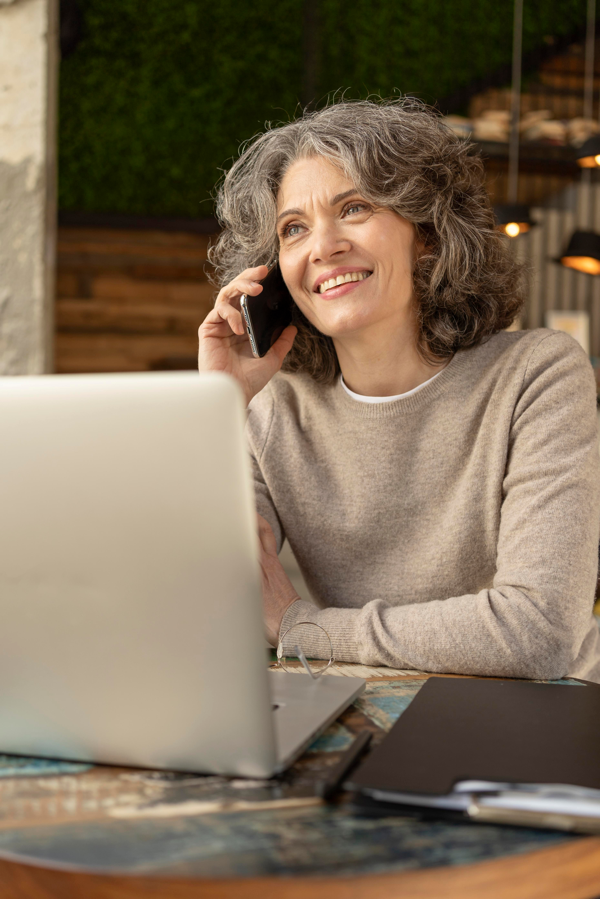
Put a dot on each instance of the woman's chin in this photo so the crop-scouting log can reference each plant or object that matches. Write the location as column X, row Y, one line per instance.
column 343, row 327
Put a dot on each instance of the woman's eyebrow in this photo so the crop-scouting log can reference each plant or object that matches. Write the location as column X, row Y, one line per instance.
column 337, row 199
column 289, row 212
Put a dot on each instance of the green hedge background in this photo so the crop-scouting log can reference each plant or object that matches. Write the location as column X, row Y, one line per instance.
column 159, row 94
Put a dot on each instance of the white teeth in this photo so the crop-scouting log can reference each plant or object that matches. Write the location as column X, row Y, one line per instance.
column 326, row 285
column 343, row 279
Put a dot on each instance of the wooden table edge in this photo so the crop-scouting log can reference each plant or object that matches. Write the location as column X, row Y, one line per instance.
column 568, row 871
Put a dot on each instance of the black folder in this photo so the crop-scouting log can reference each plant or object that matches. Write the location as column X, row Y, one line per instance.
column 484, row 730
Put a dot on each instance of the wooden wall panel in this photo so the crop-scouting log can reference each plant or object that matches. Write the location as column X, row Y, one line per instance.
column 129, row 300
column 112, row 352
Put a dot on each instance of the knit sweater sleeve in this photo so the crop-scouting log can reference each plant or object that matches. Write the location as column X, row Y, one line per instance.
column 533, row 619
column 260, row 420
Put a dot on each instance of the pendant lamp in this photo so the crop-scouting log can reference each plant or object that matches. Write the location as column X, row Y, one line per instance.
column 511, row 217
column 588, row 154
column 583, row 250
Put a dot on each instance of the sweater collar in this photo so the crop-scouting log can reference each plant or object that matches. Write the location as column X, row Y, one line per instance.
column 407, row 404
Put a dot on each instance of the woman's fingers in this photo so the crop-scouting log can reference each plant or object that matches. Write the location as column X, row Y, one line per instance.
column 228, row 299
column 257, row 273
column 232, row 316
column 220, row 323
column 232, row 292
column 246, row 282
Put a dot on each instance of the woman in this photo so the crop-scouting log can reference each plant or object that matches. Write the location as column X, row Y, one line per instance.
column 436, row 476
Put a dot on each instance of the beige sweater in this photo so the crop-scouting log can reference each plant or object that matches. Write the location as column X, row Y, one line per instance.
column 454, row 530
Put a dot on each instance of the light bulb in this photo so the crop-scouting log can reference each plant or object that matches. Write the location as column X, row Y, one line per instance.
column 597, row 159
column 513, row 229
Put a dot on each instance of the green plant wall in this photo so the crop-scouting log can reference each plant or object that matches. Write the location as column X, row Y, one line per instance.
column 158, row 96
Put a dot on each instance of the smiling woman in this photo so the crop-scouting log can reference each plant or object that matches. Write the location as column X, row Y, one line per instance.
column 437, row 478
column 333, row 234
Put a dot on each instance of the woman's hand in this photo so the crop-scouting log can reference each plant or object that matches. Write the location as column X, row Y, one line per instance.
column 224, row 344
column 278, row 592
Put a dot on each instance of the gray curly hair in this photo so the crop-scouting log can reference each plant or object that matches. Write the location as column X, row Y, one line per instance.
column 400, row 155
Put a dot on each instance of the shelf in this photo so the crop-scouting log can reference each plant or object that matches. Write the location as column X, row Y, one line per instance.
column 538, row 157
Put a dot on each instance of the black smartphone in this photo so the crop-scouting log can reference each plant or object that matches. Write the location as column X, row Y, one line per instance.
column 267, row 314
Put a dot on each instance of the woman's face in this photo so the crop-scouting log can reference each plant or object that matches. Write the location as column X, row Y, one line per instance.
column 328, row 234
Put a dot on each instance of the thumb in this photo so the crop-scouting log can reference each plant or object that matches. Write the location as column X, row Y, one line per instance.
column 283, row 345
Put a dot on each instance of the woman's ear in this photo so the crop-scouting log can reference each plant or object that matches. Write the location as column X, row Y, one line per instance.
column 422, row 247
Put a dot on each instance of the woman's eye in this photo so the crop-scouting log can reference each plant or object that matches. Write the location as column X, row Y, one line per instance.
column 354, row 208
column 291, row 230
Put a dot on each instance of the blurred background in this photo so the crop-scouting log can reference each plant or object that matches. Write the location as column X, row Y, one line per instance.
column 118, row 119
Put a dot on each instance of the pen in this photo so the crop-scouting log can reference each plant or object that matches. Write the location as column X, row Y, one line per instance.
column 331, row 784
column 522, row 818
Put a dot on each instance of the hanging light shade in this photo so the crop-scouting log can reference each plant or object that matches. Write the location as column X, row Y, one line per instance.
column 588, row 154
column 583, row 250
column 583, row 253
column 513, row 219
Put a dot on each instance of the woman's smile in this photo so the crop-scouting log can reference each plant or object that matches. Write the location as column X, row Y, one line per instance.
column 339, row 281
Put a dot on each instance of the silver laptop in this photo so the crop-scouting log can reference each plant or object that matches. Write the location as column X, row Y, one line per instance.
column 130, row 606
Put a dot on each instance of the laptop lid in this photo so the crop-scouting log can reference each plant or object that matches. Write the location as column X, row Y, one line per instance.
column 129, row 586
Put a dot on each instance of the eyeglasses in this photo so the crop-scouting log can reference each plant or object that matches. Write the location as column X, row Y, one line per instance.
column 294, row 645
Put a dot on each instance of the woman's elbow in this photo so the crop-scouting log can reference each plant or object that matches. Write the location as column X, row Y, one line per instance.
column 549, row 659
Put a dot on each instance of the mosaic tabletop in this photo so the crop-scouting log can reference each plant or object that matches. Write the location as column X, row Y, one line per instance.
column 127, row 820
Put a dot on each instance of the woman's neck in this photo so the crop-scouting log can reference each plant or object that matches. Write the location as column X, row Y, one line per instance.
column 383, row 367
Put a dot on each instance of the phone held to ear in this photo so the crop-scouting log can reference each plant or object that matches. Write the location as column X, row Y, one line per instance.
column 267, row 314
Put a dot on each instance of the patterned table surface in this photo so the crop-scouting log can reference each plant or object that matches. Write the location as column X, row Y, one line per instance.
column 126, row 820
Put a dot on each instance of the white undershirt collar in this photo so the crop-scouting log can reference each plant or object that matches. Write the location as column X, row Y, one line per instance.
column 386, row 399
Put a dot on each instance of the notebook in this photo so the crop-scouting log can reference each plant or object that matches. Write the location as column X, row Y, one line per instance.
column 512, row 751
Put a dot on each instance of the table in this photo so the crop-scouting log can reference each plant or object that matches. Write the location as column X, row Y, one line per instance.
column 69, row 830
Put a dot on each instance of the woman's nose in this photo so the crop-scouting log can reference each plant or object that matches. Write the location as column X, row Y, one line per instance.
column 326, row 242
